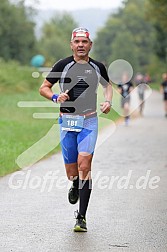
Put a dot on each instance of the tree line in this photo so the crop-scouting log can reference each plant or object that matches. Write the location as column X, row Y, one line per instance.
column 17, row 39
column 137, row 32
column 17, row 34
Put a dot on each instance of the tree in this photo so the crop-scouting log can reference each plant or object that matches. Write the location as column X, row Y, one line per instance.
column 17, row 39
column 126, row 32
column 104, row 39
column 54, row 42
column 156, row 13
column 123, row 47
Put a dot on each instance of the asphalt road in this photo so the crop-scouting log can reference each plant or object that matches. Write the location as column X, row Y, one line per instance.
column 128, row 206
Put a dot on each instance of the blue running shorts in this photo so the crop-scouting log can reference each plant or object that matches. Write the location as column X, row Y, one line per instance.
column 73, row 143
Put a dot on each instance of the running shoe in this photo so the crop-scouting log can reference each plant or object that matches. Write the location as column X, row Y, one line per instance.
column 73, row 194
column 80, row 225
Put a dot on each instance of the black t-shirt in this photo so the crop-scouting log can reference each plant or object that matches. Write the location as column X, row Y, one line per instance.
column 82, row 82
column 125, row 88
column 164, row 85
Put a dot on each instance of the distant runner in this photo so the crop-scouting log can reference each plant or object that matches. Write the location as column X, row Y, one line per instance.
column 124, row 90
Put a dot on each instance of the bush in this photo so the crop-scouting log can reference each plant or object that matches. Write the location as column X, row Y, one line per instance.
column 17, row 78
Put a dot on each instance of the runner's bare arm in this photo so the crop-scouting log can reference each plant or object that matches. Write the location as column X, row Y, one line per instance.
column 108, row 93
column 46, row 91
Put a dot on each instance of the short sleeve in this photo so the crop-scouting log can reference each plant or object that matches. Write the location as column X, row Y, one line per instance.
column 104, row 79
column 55, row 73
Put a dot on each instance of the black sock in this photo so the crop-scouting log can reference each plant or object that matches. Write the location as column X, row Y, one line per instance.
column 76, row 182
column 85, row 187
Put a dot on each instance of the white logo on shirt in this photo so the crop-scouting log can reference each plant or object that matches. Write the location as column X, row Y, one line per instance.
column 89, row 71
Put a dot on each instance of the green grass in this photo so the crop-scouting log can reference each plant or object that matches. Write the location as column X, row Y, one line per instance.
column 155, row 86
column 15, row 78
column 19, row 131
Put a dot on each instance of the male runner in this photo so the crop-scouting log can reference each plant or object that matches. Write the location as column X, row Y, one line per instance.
column 78, row 76
column 141, row 88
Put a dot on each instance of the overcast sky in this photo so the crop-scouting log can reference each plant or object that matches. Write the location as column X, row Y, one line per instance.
column 74, row 4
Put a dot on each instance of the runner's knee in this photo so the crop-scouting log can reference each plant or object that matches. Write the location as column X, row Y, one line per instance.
column 71, row 170
column 84, row 165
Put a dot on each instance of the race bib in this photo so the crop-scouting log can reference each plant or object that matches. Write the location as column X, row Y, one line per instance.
column 72, row 123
